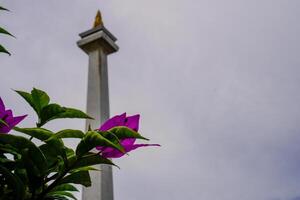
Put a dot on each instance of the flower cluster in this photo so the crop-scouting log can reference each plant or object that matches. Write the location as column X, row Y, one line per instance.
column 131, row 122
column 8, row 121
column 46, row 170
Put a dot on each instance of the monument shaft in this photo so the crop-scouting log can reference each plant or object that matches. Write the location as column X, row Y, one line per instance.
column 98, row 43
column 98, row 107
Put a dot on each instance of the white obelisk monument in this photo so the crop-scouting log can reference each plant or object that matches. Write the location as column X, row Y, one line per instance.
column 98, row 43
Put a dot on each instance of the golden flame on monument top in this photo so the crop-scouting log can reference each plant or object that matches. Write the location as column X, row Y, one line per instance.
column 98, row 20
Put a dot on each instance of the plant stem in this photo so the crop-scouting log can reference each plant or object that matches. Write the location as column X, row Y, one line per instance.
column 53, row 185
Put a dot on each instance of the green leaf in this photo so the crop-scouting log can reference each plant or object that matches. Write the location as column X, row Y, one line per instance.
column 33, row 174
column 65, row 187
column 5, row 160
column 90, row 160
column 81, row 177
column 7, row 163
column 61, row 193
column 9, row 152
column 56, row 197
column 3, row 50
column 1, row 8
column 46, row 136
column 58, row 145
column 85, row 169
column 28, row 98
column 9, row 149
column 49, row 112
column 123, row 132
column 118, row 133
column 3, row 31
column 55, row 111
column 40, row 99
column 69, row 152
column 37, row 99
column 38, row 133
column 51, row 156
column 73, row 113
column 14, row 183
column 21, row 143
column 70, row 133
column 93, row 139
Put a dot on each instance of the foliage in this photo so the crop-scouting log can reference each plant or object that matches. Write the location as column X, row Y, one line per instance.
column 5, row 32
column 47, row 171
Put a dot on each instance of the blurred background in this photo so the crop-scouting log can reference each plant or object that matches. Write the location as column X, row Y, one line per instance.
column 216, row 83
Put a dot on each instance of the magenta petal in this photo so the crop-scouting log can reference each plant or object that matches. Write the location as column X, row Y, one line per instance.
column 17, row 120
column 9, row 120
column 117, row 154
column 109, row 149
column 127, row 141
column 118, row 120
column 124, row 143
column 109, row 152
column 113, row 154
column 105, row 149
column 100, row 148
column 2, row 107
column 8, row 117
column 12, row 122
column 132, row 122
column 8, row 113
column 4, row 129
column 135, row 146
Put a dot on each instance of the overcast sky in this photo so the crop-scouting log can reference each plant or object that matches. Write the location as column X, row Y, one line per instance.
column 216, row 82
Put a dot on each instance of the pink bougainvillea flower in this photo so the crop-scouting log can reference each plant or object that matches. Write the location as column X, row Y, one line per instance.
column 7, row 118
column 128, row 144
